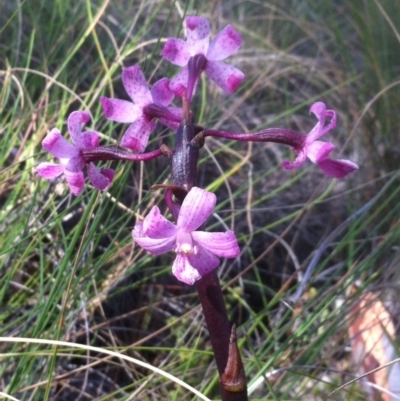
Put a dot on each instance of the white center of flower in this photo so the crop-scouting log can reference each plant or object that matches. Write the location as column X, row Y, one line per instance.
column 184, row 242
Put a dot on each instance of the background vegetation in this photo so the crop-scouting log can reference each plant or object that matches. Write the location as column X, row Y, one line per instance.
column 68, row 267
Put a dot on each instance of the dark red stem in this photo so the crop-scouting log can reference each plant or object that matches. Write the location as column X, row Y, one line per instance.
column 277, row 135
column 104, row 153
column 184, row 175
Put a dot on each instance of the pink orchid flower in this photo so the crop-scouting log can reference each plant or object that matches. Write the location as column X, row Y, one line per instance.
column 317, row 151
column 196, row 251
column 147, row 105
column 197, row 43
column 71, row 156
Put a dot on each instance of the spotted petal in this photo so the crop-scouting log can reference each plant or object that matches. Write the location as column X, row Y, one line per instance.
column 121, row 111
column 137, row 135
column 198, row 35
column 76, row 181
column 156, row 246
column 221, row 244
column 49, row 171
column 155, row 225
column 58, row 146
column 228, row 78
column 224, row 44
column 75, row 121
column 101, row 179
column 161, row 93
column 136, row 86
column 184, row 271
column 176, row 51
column 196, row 208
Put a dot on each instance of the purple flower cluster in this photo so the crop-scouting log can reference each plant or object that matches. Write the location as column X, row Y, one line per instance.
column 197, row 252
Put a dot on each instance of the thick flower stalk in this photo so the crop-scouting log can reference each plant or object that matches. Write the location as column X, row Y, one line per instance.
column 71, row 157
column 197, row 54
column 146, row 106
column 197, row 252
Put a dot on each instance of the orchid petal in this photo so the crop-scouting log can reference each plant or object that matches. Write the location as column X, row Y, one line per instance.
column 136, row 86
column 184, row 271
column 75, row 180
column 75, row 121
column 319, row 110
column 161, row 93
column 121, row 111
column 49, row 171
column 203, row 260
column 101, row 179
column 331, row 114
column 58, row 146
column 137, row 135
column 179, row 82
column 300, row 159
column 221, row 244
column 155, row 225
column 224, row 44
column 337, row 168
column 318, row 150
column 89, row 140
column 74, row 164
column 176, row 51
column 156, row 246
column 228, row 78
column 196, row 208
column 197, row 34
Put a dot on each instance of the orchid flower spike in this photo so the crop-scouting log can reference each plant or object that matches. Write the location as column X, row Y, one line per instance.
column 147, row 105
column 71, row 157
column 197, row 54
column 317, row 151
column 196, row 251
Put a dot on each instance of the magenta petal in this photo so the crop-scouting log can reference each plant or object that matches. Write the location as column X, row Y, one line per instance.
column 184, row 271
column 58, row 146
column 176, row 51
column 136, row 86
column 331, row 114
column 198, row 35
column 156, row 246
column 196, row 208
column 319, row 110
column 155, row 225
column 137, row 135
column 89, row 140
column 221, row 244
column 300, row 159
column 49, row 171
column 75, row 164
column 101, row 179
column 179, row 82
column 161, row 92
column 203, row 260
column 121, row 111
column 319, row 150
column 75, row 122
column 224, row 44
column 76, row 181
column 337, row 168
column 228, row 78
